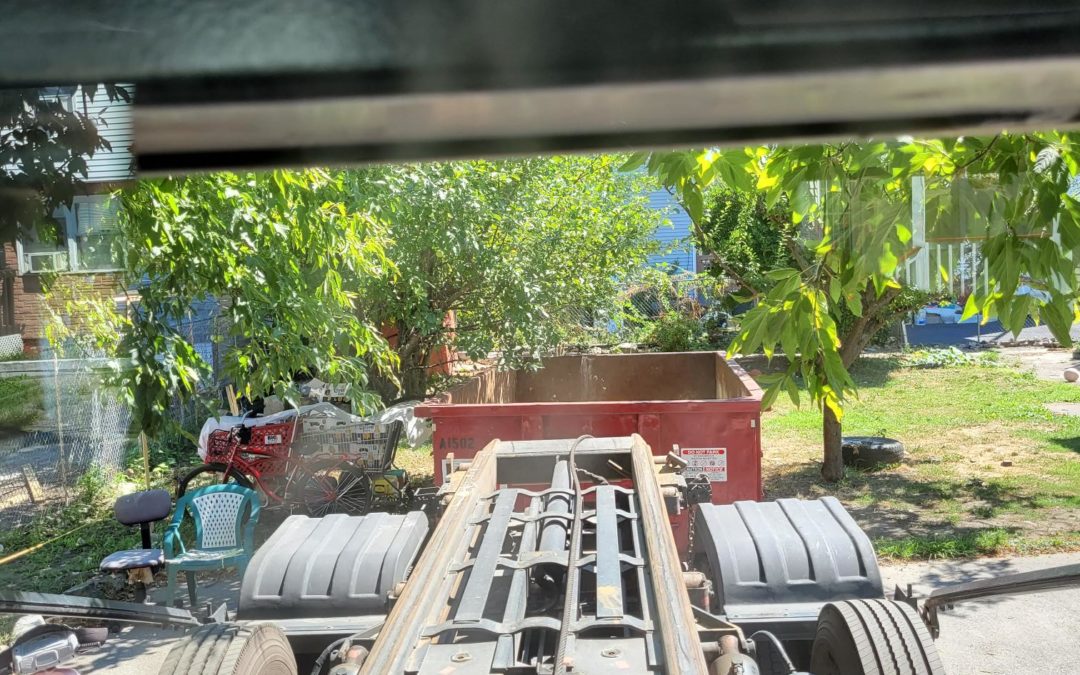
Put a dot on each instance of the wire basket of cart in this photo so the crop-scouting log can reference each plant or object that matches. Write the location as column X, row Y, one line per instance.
column 318, row 460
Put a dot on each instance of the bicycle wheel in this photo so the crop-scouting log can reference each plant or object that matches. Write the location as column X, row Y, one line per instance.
column 335, row 487
column 210, row 474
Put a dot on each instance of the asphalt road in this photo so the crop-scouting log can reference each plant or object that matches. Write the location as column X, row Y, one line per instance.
column 1036, row 633
column 1031, row 634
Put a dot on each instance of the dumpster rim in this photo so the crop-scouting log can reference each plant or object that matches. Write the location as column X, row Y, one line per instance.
column 436, row 408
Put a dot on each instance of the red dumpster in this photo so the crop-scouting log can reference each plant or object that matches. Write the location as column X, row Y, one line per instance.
column 698, row 401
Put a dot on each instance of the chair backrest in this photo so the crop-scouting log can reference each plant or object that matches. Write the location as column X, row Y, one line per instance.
column 143, row 507
column 219, row 512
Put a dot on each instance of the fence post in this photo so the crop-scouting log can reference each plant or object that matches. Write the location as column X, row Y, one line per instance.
column 144, row 445
column 60, row 428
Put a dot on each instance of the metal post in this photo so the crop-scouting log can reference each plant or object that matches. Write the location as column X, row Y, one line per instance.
column 60, row 428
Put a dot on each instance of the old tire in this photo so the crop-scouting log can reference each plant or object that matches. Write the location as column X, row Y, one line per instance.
column 872, row 637
column 229, row 649
column 868, row 452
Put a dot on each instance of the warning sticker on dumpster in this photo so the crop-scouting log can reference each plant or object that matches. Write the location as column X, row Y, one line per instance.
column 710, row 462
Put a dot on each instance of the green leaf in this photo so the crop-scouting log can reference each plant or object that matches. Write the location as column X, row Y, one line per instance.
column 835, row 290
column 854, row 303
column 971, row 307
column 694, row 203
column 792, row 390
column 635, row 161
column 769, row 396
column 781, row 274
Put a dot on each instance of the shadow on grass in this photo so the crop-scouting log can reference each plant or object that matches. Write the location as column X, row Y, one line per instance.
column 868, row 371
column 875, row 371
column 926, row 517
column 1070, row 443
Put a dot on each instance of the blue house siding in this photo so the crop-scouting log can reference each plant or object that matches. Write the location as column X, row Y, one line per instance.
column 676, row 243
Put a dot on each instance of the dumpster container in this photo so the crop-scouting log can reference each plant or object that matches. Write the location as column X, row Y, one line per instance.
column 697, row 401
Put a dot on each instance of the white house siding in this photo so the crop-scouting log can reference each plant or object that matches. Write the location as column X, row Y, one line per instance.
column 114, row 123
column 675, row 240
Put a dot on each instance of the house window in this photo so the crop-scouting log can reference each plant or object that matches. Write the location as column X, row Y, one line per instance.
column 96, row 231
column 46, row 250
column 84, row 240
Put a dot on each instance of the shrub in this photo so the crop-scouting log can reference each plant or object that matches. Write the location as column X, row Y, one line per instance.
column 676, row 332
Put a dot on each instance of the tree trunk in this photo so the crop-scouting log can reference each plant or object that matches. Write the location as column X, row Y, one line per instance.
column 414, row 371
column 875, row 315
column 832, row 468
column 414, row 381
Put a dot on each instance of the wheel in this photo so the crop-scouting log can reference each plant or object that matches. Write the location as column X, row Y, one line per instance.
column 210, row 474
column 229, row 649
column 335, row 487
column 867, row 452
column 872, row 637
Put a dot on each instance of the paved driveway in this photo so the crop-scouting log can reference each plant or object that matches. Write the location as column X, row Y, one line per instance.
column 1036, row 633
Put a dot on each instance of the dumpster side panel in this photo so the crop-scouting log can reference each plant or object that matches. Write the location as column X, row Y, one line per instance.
column 725, row 429
column 568, row 425
column 731, row 437
column 695, row 400
column 465, row 436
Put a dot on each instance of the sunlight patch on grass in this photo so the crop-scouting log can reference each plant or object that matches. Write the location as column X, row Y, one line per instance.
column 983, row 452
column 990, row 542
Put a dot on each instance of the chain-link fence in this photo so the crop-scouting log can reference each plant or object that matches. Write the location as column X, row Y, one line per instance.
column 57, row 423
column 60, row 422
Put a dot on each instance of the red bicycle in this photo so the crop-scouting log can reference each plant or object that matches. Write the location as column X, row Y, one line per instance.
column 321, row 472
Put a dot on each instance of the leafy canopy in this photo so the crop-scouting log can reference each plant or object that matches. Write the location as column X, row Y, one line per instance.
column 853, row 202
column 281, row 250
column 517, row 249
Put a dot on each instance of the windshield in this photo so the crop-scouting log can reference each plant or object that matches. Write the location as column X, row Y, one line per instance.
column 309, row 301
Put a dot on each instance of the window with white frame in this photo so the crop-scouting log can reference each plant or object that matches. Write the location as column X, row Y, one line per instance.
column 96, row 231
column 46, row 249
column 84, row 240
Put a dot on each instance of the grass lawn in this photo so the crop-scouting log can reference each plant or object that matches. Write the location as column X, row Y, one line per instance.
column 76, row 538
column 21, row 403
column 989, row 470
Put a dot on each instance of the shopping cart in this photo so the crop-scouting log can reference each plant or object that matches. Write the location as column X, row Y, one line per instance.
column 322, row 461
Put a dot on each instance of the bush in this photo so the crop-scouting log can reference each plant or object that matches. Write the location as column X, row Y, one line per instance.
column 173, row 447
column 676, row 332
column 951, row 356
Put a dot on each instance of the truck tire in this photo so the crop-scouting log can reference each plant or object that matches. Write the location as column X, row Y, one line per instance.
column 229, row 649
column 871, row 637
column 868, row 452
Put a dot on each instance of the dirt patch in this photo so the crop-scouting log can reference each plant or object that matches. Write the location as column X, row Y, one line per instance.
column 1070, row 409
column 1046, row 363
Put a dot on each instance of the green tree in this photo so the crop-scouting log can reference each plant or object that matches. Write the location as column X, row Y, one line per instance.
column 854, row 201
column 516, row 249
column 44, row 148
column 744, row 238
column 280, row 250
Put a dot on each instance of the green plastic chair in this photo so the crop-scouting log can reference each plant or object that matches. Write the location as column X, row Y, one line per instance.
column 225, row 518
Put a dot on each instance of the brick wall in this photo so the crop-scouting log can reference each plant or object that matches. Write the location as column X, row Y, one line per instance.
column 29, row 296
